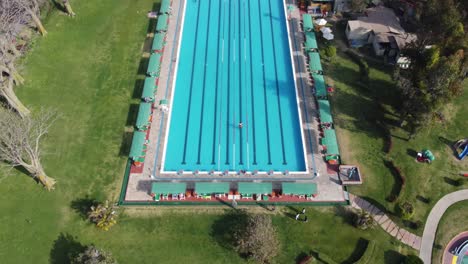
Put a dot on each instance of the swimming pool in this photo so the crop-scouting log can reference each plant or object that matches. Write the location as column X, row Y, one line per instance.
column 234, row 105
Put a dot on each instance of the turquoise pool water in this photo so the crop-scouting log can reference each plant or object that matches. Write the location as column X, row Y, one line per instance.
column 234, row 67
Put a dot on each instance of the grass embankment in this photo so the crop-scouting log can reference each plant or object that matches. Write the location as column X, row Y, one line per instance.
column 454, row 221
column 86, row 69
column 359, row 113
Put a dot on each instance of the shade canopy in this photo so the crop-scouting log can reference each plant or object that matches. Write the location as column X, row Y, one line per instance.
column 299, row 188
column 165, row 7
column 326, row 30
column 138, row 143
column 158, row 42
column 314, row 62
column 328, row 36
column 162, row 23
column 168, row 187
column 144, row 113
column 330, row 141
column 321, row 22
column 149, row 88
column 154, row 65
column 249, row 188
column 311, row 41
column 325, row 112
column 307, row 22
column 319, row 84
column 211, row 187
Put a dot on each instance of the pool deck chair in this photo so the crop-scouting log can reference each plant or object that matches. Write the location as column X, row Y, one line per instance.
column 325, row 112
column 165, row 7
column 144, row 116
column 161, row 26
column 307, row 22
column 159, row 42
column 311, row 42
column 137, row 149
column 149, row 89
column 315, row 66
column 319, row 85
column 154, row 65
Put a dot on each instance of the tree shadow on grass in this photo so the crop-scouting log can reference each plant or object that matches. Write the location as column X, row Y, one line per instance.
column 393, row 257
column 59, row 6
column 359, row 250
column 126, row 144
column 83, row 205
column 224, row 228
column 346, row 214
column 65, row 248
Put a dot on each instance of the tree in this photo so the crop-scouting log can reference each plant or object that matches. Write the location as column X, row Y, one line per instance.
column 363, row 220
column 103, row 215
column 68, row 8
column 358, row 5
column 20, row 142
column 32, row 9
column 406, row 210
column 93, row 255
column 257, row 239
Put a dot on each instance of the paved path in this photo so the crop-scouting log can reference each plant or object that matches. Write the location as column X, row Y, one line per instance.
column 386, row 223
column 433, row 221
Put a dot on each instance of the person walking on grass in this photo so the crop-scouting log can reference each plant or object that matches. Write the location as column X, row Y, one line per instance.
column 303, row 211
column 297, row 217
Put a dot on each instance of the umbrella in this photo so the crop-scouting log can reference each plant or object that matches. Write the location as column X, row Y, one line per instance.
column 321, row 22
column 326, row 30
column 328, row 36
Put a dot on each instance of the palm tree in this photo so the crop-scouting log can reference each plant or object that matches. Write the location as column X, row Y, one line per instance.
column 363, row 220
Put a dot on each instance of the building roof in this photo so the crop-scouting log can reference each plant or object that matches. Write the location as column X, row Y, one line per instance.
column 383, row 22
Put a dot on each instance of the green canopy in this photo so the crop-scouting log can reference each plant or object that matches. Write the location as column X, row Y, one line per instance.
column 211, row 187
column 314, row 62
column 428, row 154
column 330, row 141
column 138, row 141
column 163, row 102
column 154, row 64
column 149, row 89
column 325, row 112
column 165, row 7
column 307, row 22
column 299, row 188
column 311, row 41
column 168, row 187
column 162, row 23
column 143, row 117
column 158, row 42
column 249, row 188
column 319, row 84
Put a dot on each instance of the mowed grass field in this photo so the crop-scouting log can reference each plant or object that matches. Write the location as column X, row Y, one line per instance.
column 88, row 69
column 357, row 113
column 454, row 221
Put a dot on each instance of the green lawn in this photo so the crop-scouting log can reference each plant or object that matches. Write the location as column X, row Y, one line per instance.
column 362, row 141
column 87, row 69
column 454, row 221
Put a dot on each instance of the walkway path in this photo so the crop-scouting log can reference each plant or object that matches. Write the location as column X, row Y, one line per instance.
column 386, row 223
column 433, row 221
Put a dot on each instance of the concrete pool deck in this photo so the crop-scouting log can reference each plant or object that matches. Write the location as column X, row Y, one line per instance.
column 328, row 184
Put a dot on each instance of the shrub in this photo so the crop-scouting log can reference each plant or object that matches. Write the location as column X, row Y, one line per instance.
column 363, row 220
column 406, row 210
column 330, row 51
column 92, row 255
column 103, row 216
column 258, row 239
